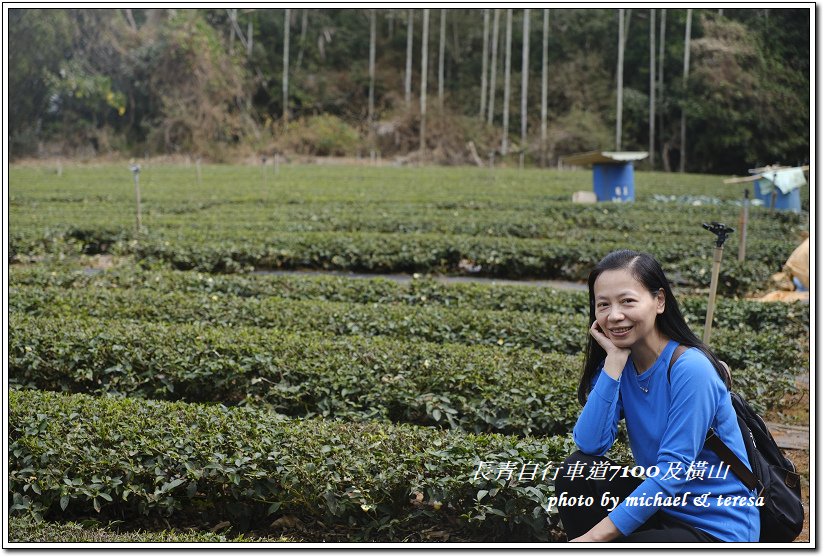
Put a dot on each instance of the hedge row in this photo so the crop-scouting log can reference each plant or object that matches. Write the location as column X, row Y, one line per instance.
column 415, row 253
column 790, row 320
column 477, row 389
column 474, row 388
column 122, row 459
column 517, row 218
column 24, row 529
column 421, row 253
column 557, row 222
column 548, row 332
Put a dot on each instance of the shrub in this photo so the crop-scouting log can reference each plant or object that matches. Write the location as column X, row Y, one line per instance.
column 322, row 135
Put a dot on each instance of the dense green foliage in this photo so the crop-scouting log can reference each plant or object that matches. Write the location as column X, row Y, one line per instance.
column 329, row 407
column 23, row 529
column 498, row 224
column 790, row 319
column 124, row 459
column 183, row 81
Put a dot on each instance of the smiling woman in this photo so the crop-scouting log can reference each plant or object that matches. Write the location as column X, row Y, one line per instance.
column 636, row 329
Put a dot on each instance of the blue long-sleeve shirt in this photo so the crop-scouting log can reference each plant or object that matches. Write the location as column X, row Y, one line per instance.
column 667, row 426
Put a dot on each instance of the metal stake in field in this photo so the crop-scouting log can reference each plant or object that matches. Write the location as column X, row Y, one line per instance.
column 135, row 168
column 745, row 216
column 197, row 167
column 721, row 232
column 263, row 171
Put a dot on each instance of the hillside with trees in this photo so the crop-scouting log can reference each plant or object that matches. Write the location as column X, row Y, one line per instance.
column 705, row 90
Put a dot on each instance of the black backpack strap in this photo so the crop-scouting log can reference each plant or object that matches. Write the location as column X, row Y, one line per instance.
column 716, row 445
column 725, row 453
column 680, row 349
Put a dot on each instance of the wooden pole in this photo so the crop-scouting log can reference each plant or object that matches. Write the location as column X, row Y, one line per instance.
column 135, row 168
column 745, row 217
column 716, row 267
column 721, row 231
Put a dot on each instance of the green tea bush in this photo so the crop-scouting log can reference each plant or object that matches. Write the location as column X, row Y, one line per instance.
column 24, row 529
column 548, row 332
column 789, row 320
column 120, row 459
column 474, row 388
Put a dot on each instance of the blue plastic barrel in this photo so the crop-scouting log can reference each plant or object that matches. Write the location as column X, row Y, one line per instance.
column 614, row 182
column 783, row 202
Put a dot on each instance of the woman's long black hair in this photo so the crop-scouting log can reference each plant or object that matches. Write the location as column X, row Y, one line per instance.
column 646, row 270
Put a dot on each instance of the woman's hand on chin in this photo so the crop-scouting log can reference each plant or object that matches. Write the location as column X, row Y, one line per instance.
column 616, row 357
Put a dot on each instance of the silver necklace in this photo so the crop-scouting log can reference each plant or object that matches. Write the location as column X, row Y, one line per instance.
column 645, row 387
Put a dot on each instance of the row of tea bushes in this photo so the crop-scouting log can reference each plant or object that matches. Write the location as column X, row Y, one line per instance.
column 24, row 529
column 471, row 387
column 791, row 320
column 514, row 218
column 502, row 257
column 122, row 458
column 549, row 332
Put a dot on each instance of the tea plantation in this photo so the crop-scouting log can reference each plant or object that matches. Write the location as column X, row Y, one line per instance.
column 162, row 388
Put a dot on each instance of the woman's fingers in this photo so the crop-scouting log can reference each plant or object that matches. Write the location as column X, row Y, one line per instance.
column 600, row 337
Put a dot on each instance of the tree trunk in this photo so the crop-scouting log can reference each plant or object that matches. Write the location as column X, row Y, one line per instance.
column 390, row 23
column 441, row 51
column 652, row 89
column 620, row 82
column 130, row 18
column 245, row 41
column 371, row 110
column 683, row 158
column 484, row 60
column 661, row 57
column 286, row 65
column 232, row 32
column 304, row 25
column 249, row 29
column 457, row 58
column 408, row 81
column 544, row 87
column 494, row 61
column 524, row 84
column 424, row 70
column 507, row 69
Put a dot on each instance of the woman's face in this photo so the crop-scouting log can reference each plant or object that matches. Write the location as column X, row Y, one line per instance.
column 624, row 308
